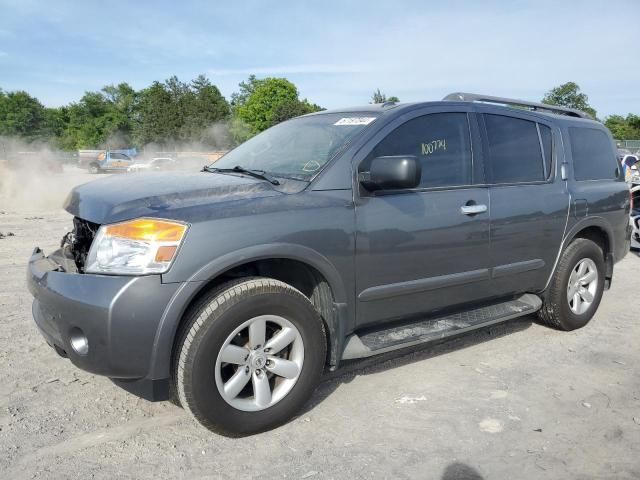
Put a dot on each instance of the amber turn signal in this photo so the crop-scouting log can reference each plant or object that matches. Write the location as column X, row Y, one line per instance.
column 148, row 229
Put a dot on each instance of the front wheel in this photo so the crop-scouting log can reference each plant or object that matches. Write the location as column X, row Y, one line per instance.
column 94, row 168
column 251, row 355
column 576, row 288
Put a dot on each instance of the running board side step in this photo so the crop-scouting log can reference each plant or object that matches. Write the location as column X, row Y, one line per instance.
column 436, row 328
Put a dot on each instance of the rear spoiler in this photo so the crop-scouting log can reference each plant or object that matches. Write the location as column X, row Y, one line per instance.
column 475, row 97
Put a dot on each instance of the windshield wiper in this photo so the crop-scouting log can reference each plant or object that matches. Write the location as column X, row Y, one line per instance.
column 261, row 174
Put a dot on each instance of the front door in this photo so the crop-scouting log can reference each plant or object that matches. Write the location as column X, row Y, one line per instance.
column 423, row 249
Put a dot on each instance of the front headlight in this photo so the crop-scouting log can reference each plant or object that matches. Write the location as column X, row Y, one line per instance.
column 136, row 247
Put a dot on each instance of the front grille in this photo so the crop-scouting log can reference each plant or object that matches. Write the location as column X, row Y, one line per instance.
column 79, row 240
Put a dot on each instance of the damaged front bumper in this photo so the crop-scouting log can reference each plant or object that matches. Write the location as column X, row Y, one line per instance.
column 104, row 324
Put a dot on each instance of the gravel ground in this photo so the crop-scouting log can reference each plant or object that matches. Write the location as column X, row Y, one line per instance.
column 512, row 401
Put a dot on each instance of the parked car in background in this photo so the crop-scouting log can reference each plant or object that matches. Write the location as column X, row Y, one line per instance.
column 621, row 152
column 153, row 165
column 333, row 236
column 98, row 161
column 635, row 216
column 630, row 168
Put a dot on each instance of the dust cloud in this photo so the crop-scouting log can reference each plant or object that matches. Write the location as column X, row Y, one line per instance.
column 35, row 177
column 32, row 177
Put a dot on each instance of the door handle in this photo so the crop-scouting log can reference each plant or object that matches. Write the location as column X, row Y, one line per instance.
column 473, row 209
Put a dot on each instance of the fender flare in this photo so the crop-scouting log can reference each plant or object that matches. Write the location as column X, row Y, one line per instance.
column 586, row 223
column 167, row 327
column 580, row 225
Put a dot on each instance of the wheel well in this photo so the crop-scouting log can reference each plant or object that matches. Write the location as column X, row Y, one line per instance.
column 596, row 235
column 298, row 274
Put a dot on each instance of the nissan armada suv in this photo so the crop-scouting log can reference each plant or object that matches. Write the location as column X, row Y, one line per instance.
column 337, row 235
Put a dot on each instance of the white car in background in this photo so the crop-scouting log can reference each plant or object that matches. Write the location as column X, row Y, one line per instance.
column 155, row 164
column 635, row 216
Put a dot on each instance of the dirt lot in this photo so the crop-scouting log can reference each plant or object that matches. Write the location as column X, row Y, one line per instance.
column 513, row 401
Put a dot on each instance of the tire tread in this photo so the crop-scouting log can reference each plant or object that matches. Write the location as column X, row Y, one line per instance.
column 208, row 309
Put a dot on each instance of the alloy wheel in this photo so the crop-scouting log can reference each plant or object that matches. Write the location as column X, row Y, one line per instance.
column 582, row 287
column 259, row 363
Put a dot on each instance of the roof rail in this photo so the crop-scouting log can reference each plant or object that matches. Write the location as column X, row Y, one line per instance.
column 475, row 97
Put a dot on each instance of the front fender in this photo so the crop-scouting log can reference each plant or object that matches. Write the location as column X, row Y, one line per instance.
column 163, row 344
column 275, row 250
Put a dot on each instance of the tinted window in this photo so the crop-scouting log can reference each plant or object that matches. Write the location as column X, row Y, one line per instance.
column 119, row 156
column 593, row 157
column 441, row 142
column 514, row 153
column 545, row 135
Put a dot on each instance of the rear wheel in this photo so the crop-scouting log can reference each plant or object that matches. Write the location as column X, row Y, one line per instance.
column 250, row 357
column 94, row 168
column 576, row 288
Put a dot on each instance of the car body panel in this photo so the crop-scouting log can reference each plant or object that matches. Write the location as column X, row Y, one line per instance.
column 385, row 257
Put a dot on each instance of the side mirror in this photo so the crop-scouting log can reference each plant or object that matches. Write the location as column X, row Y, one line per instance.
column 392, row 173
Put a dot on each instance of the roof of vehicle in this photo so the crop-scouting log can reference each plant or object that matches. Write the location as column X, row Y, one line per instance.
column 551, row 111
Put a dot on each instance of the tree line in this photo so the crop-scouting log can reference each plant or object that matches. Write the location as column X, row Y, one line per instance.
column 165, row 113
column 174, row 112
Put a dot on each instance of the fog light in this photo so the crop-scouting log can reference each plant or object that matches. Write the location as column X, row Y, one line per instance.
column 78, row 341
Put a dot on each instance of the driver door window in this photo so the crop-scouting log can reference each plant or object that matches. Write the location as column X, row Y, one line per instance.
column 441, row 141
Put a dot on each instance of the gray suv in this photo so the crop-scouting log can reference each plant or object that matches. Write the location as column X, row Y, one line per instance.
column 333, row 236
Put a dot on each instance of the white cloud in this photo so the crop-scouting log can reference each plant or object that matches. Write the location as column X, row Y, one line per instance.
column 3, row 54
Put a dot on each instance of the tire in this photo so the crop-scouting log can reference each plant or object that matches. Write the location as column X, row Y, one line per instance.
column 558, row 310
column 222, row 323
column 94, row 168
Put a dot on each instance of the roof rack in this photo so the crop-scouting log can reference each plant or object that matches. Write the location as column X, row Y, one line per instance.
column 475, row 97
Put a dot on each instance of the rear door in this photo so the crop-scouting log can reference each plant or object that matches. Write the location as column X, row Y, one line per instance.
column 423, row 249
column 529, row 200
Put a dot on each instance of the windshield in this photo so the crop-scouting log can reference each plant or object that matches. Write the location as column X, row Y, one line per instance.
column 298, row 148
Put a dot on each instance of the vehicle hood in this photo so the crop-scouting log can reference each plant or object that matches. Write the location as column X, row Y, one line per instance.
column 123, row 197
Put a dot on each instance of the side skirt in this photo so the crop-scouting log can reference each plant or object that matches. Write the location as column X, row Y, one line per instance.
column 435, row 328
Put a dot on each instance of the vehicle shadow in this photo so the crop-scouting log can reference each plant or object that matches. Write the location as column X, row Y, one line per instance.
column 461, row 471
column 351, row 369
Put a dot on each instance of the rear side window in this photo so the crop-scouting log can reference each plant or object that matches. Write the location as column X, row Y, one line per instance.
column 545, row 136
column 440, row 141
column 514, row 153
column 593, row 156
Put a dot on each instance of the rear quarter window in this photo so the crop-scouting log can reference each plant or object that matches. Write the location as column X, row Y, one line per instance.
column 593, row 155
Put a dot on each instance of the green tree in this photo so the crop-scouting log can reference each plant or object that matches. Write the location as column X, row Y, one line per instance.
column 100, row 119
column 21, row 115
column 379, row 97
column 624, row 128
column 157, row 119
column 245, row 89
column 176, row 111
column 569, row 95
column 203, row 107
column 262, row 103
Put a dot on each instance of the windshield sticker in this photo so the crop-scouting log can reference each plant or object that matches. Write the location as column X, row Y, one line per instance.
column 434, row 145
column 311, row 166
column 355, row 121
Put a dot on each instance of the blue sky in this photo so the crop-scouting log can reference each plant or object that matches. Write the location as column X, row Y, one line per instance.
column 336, row 52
